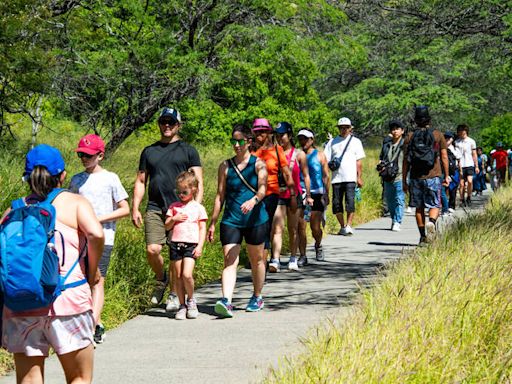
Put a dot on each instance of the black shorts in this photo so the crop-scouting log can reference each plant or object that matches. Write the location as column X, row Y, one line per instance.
column 286, row 201
column 105, row 260
column 252, row 235
column 318, row 205
column 343, row 192
column 467, row 171
column 178, row 251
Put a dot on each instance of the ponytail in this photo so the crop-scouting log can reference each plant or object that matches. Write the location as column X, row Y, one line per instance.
column 42, row 182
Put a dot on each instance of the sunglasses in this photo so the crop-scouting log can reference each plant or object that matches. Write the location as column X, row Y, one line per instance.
column 84, row 155
column 167, row 122
column 185, row 192
column 235, row 142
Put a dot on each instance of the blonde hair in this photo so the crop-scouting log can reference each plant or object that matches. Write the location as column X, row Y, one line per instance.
column 189, row 178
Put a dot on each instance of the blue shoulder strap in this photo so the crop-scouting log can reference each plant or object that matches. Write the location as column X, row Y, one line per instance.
column 53, row 194
column 18, row 203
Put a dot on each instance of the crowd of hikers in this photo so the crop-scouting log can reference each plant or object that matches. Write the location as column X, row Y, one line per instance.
column 268, row 184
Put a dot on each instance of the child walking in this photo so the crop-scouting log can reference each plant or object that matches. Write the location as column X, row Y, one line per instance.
column 108, row 198
column 187, row 220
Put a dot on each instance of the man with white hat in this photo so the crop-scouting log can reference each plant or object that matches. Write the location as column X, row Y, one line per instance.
column 344, row 154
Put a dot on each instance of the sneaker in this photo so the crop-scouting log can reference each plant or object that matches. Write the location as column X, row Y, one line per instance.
column 255, row 304
column 274, row 266
column 223, row 308
column 99, row 334
column 430, row 232
column 319, row 251
column 192, row 311
column 463, row 203
column 423, row 241
column 182, row 313
column 293, row 265
column 342, row 232
column 451, row 210
column 468, row 203
column 395, row 227
column 349, row 231
column 303, row 261
column 172, row 304
column 159, row 290
column 408, row 210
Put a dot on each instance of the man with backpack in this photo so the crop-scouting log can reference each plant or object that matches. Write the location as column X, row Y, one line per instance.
column 426, row 160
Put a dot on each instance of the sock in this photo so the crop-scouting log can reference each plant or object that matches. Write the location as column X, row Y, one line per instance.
column 422, row 231
column 432, row 220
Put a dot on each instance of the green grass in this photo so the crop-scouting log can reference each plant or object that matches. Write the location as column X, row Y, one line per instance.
column 442, row 315
column 129, row 280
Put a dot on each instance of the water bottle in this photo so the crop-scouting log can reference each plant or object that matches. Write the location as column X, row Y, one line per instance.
column 307, row 213
column 358, row 194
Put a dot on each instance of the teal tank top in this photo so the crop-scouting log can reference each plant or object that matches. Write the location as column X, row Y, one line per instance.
column 237, row 193
column 315, row 172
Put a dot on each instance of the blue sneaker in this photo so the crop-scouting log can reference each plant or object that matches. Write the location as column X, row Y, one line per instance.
column 255, row 304
column 223, row 308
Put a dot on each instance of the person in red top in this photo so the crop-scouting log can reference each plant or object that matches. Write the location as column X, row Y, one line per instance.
column 501, row 159
column 275, row 160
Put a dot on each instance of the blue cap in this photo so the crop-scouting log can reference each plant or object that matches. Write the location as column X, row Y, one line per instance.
column 44, row 155
column 284, row 127
column 170, row 113
column 449, row 134
column 499, row 144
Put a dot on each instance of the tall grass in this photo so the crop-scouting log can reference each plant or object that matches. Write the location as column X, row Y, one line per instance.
column 441, row 316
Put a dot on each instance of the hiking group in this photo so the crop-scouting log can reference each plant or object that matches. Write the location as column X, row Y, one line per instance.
column 267, row 183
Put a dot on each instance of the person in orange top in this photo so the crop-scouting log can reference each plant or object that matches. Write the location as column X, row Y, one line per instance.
column 275, row 160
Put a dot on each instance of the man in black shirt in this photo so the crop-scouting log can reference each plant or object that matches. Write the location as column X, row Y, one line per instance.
column 159, row 164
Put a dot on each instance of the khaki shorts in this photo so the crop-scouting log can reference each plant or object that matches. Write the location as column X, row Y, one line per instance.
column 154, row 228
column 34, row 335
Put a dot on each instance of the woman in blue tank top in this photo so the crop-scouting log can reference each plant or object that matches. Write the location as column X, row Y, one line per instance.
column 242, row 182
column 320, row 182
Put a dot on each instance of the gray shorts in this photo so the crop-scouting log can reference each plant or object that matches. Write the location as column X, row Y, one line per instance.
column 154, row 228
column 105, row 259
column 425, row 193
column 343, row 192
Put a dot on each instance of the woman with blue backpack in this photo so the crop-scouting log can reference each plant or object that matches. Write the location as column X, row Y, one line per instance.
column 48, row 300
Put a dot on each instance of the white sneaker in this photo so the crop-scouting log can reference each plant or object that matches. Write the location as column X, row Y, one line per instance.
column 349, row 231
column 430, row 231
column 451, row 210
column 396, row 227
column 274, row 266
column 408, row 210
column 182, row 313
column 172, row 304
column 293, row 266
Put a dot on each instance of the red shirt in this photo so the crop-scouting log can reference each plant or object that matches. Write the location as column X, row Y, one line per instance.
column 501, row 158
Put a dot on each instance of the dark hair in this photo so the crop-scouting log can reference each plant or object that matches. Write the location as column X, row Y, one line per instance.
column 243, row 129
column 463, row 127
column 421, row 116
column 41, row 182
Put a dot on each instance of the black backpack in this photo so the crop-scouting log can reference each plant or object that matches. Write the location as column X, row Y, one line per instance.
column 452, row 163
column 421, row 154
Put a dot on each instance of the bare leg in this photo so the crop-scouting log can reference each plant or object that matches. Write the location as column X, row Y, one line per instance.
column 231, row 253
column 29, row 369
column 462, row 189
column 433, row 213
column 316, row 227
column 277, row 231
column 341, row 219
column 293, row 229
column 188, row 277
column 98, row 299
column 177, row 266
column 78, row 365
column 302, row 235
column 470, row 186
column 350, row 217
column 256, row 255
column 155, row 259
column 420, row 217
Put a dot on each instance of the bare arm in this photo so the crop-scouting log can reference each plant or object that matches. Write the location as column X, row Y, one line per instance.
column 261, row 170
column 444, row 165
column 303, row 163
column 326, row 178
column 198, row 171
column 359, row 166
column 139, row 189
column 475, row 160
column 123, row 210
column 219, row 199
column 202, row 236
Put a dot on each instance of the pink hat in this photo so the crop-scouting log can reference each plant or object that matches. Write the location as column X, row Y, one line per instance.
column 261, row 125
column 91, row 144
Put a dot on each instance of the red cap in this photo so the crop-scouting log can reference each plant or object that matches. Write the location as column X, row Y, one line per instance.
column 91, row 144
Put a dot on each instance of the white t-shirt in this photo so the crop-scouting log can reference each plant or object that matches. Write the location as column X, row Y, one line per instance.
column 347, row 172
column 103, row 190
column 466, row 147
column 455, row 151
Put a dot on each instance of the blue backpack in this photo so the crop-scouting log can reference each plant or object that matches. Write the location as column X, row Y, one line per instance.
column 29, row 266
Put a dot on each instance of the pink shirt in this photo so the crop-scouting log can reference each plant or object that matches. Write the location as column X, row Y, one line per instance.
column 72, row 301
column 293, row 163
column 187, row 231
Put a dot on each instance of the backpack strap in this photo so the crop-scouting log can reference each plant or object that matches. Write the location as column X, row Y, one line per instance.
column 242, row 178
column 53, row 194
column 77, row 283
column 18, row 203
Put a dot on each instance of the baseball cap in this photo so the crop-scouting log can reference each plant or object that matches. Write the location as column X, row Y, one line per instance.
column 46, row 156
column 449, row 134
column 421, row 113
column 170, row 113
column 261, row 125
column 91, row 144
column 344, row 121
column 499, row 144
column 395, row 123
column 306, row 133
column 284, row 127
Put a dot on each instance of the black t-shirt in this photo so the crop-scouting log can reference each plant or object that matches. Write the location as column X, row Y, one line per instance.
column 162, row 164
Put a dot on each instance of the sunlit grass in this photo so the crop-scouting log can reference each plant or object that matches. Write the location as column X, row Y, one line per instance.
column 440, row 316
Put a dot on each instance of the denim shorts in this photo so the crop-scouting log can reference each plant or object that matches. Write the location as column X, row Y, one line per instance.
column 425, row 193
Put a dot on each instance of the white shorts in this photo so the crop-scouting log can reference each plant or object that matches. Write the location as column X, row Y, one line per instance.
column 34, row 335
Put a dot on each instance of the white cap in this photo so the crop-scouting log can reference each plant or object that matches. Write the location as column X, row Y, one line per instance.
column 344, row 121
column 306, row 133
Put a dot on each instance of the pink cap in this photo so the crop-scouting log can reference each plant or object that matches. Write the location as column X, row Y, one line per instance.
column 261, row 125
column 91, row 144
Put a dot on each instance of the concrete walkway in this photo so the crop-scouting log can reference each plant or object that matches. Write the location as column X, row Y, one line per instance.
column 154, row 348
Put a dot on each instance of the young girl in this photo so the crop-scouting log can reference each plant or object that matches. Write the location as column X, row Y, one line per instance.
column 187, row 220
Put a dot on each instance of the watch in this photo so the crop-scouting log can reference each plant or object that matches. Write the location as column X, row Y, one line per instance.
column 257, row 200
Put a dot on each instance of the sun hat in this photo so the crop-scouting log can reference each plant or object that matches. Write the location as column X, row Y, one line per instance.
column 306, row 133
column 171, row 113
column 46, row 156
column 344, row 121
column 261, row 124
column 91, row 144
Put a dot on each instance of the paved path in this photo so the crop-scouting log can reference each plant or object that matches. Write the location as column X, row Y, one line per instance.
column 154, row 348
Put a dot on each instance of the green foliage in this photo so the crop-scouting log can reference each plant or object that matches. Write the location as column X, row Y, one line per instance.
column 500, row 129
